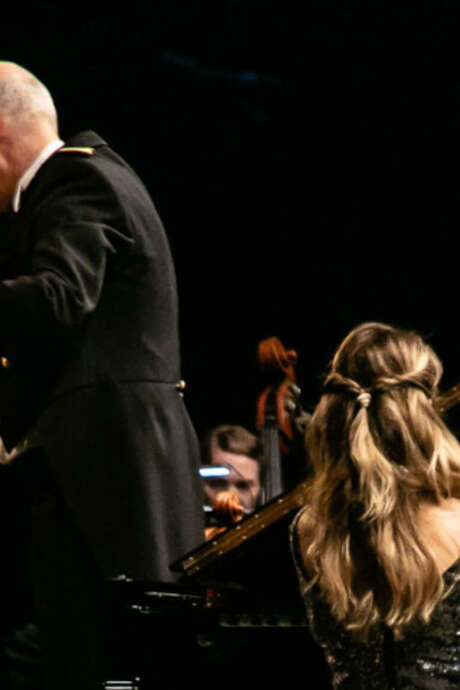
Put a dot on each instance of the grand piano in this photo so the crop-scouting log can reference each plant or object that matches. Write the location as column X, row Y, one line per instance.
column 234, row 614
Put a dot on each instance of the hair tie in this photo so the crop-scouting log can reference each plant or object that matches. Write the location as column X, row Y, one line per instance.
column 385, row 383
column 364, row 399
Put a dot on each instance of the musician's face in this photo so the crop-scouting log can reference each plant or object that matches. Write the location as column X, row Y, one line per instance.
column 243, row 479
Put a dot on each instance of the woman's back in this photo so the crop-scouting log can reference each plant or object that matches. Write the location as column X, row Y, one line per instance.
column 427, row 656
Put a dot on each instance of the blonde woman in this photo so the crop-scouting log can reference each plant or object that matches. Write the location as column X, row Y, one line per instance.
column 377, row 545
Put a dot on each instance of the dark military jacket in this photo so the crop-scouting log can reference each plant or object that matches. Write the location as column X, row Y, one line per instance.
column 90, row 358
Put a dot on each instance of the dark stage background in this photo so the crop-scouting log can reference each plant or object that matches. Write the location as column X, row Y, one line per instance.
column 304, row 157
column 305, row 163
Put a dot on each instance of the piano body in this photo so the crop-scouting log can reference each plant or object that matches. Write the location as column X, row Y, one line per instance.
column 235, row 613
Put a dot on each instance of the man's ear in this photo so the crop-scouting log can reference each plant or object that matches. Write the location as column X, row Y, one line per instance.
column 6, row 141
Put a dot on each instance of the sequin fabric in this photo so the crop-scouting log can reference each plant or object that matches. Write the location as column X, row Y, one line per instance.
column 427, row 658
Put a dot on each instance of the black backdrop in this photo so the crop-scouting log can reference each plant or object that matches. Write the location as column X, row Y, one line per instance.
column 304, row 161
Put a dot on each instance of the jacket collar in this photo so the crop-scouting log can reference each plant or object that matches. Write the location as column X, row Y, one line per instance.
column 85, row 138
column 32, row 170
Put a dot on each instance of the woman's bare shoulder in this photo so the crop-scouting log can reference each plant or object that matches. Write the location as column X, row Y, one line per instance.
column 439, row 529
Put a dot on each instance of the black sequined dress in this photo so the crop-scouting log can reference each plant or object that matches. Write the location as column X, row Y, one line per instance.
column 427, row 658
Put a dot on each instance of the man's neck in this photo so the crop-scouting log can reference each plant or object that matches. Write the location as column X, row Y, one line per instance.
column 29, row 173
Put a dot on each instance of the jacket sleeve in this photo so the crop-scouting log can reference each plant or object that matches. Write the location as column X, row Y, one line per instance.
column 78, row 227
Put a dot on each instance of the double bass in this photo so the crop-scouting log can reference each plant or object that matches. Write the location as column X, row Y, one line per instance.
column 280, row 419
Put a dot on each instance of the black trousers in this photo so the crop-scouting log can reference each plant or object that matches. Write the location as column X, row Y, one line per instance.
column 72, row 630
column 71, row 608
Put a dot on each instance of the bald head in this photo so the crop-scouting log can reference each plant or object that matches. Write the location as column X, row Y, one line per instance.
column 28, row 123
column 24, row 101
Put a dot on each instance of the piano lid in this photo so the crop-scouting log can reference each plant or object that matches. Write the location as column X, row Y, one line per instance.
column 213, row 557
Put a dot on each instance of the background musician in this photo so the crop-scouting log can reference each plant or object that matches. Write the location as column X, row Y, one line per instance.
column 240, row 451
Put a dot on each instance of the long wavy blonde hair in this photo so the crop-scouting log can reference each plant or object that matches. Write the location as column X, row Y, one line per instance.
column 377, row 449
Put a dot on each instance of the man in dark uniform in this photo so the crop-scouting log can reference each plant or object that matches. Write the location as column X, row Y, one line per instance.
column 90, row 379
